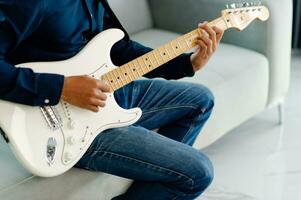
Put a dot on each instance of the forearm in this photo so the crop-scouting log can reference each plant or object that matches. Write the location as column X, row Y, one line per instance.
column 22, row 85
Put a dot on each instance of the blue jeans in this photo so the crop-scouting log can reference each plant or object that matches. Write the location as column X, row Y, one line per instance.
column 163, row 163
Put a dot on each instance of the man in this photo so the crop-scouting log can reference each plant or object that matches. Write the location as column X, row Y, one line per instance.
column 163, row 164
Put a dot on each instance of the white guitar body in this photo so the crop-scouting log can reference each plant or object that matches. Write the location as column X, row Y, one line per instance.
column 49, row 141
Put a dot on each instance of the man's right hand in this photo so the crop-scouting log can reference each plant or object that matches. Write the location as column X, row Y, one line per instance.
column 85, row 92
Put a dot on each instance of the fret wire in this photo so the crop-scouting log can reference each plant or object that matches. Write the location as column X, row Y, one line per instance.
column 114, row 75
column 151, row 60
column 132, row 70
column 126, row 70
column 121, row 76
column 142, row 60
column 167, row 52
column 186, row 41
column 180, row 42
column 120, row 80
column 157, row 53
column 138, row 67
column 131, row 76
column 116, row 79
column 150, row 65
column 193, row 35
column 192, row 38
column 113, row 86
column 146, row 65
column 111, row 79
column 173, row 49
column 180, row 47
column 124, row 81
column 162, row 54
column 156, row 59
column 122, row 68
column 132, row 66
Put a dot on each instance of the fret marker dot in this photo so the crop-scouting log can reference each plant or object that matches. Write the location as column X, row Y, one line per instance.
column 125, row 74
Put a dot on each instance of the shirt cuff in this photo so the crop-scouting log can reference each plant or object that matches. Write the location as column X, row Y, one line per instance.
column 49, row 88
column 185, row 66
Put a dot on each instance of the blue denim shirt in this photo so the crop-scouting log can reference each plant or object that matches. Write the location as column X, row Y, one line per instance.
column 50, row 30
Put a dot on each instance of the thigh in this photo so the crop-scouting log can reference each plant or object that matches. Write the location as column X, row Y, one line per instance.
column 137, row 153
column 163, row 102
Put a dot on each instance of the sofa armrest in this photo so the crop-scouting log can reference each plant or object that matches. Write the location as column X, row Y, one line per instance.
column 271, row 38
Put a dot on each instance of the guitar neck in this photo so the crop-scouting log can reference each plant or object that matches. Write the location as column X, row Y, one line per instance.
column 142, row 65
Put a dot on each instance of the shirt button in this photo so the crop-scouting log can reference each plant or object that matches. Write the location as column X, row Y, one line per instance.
column 46, row 101
column 91, row 15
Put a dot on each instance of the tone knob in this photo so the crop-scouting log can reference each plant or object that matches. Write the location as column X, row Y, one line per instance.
column 71, row 124
column 68, row 156
column 71, row 140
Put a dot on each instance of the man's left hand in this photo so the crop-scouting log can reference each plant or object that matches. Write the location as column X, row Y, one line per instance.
column 207, row 42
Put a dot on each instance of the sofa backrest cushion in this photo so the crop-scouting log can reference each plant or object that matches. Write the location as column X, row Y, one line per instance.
column 134, row 15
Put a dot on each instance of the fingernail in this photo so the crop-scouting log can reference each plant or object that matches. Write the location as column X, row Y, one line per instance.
column 203, row 23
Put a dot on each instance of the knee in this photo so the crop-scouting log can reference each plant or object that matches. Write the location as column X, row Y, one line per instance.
column 203, row 174
column 204, row 97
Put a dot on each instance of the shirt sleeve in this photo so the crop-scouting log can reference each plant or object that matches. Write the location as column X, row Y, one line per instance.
column 18, row 20
column 127, row 50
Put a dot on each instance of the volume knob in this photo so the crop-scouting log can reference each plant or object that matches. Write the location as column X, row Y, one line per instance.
column 71, row 124
column 71, row 140
column 68, row 156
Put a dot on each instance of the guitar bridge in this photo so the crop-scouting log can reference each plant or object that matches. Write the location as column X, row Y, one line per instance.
column 52, row 117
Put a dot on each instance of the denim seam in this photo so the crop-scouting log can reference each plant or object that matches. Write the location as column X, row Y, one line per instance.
column 172, row 107
column 191, row 125
column 144, row 96
column 150, row 164
column 169, row 107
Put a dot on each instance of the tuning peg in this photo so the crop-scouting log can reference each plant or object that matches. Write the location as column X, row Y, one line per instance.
column 227, row 6
column 233, row 5
column 246, row 4
column 239, row 5
column 258, row 3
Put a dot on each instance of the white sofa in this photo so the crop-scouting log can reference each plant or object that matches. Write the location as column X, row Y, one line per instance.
column 249, row 73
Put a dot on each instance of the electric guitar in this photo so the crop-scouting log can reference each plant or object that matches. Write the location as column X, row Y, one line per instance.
column 50, row 140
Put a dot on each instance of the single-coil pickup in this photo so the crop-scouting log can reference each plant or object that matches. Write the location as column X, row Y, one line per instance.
column 52, row 117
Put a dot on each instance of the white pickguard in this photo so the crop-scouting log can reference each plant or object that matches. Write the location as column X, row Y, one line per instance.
column 28, row 131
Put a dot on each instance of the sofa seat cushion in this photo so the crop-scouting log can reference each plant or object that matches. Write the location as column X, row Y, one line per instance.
column 238, row 77
column 77, row 184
